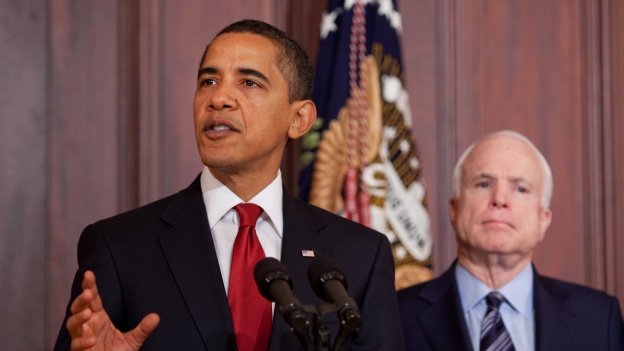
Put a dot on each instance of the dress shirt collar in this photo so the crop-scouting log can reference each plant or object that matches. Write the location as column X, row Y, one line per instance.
column 518, row 292
column 219, row 199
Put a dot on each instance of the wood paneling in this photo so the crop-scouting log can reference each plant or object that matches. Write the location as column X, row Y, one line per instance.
column 426, row 40
column 151, row 116
column 128, row 100
column 593, row 163
column 301, row 21
column 22, row 174
column 613, row 82
column 83, row 136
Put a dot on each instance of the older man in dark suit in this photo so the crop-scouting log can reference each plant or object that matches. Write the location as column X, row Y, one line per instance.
column 175, row 275
column 492, row 298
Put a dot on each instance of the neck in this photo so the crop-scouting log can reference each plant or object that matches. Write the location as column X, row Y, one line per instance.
column 494, row 270
column 245, row 186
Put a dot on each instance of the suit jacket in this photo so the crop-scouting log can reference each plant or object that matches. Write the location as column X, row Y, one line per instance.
column 567, row 316
column 161, row 258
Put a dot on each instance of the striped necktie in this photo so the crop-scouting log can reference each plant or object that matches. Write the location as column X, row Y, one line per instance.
column 494, row 336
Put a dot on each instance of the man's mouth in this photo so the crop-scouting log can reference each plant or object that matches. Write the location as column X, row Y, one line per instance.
column 497, row 222
column 221, row 127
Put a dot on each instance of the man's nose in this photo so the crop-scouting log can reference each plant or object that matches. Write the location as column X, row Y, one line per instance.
column 500, row 196
column 223, row 97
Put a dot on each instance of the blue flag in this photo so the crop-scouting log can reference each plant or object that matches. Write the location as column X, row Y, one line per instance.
column 359, row 159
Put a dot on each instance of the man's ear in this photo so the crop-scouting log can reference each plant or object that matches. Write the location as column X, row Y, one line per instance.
column 545, row 220
column 303, row 118
column 452, row 209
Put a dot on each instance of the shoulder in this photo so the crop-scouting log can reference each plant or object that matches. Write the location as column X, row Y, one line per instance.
column 332, row 225
column 596, row 308
column 137, row 217
column 423, row 295
column 411, row 303
column 151, row 218
column 412, row 293
column 593, row 318
column 575, row 296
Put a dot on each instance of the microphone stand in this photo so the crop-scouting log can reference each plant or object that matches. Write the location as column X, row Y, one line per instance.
column 301, row 330
column 322, row 334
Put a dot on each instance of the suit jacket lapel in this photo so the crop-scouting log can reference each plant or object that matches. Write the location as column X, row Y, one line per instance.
column 192, row 258
column 190, row 251
column 444, row 322
column 300, row 233
column 554, row 321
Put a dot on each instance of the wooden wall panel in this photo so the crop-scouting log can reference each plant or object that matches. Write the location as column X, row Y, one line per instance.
column 423, row 47
column 128, row 104
column 592, row 157
column 612, row 14
column 301, row 19
column 150, row 95
column 83, row 136
column 22, row 174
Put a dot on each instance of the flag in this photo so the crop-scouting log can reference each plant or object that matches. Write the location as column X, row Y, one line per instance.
column 359, row 159
column 307, row 253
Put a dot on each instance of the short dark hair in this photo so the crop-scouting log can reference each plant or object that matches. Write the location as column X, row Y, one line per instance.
column 292, row 61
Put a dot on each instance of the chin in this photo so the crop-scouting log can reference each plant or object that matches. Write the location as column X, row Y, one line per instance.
column 217, row 162
column 499, row 243
column 504, row 247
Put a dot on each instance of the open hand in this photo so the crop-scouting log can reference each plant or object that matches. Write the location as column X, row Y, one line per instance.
column 91, row 328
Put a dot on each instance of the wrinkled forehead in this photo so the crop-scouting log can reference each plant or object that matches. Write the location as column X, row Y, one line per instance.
column 503, row 156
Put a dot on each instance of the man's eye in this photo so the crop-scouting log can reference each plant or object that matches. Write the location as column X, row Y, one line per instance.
column 522, row 189
column 483, row 184
column 250, row 83
column 208, row 81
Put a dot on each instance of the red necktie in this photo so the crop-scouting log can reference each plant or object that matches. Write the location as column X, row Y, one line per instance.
column 251, row 313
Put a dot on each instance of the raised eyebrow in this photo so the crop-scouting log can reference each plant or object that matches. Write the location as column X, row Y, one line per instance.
column 207, row 70
column 254, row 73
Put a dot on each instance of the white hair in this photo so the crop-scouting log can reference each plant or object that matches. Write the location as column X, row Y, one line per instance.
column 548, row 178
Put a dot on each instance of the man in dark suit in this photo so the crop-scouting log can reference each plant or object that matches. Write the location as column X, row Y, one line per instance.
column 492, row 298
column 165, row 271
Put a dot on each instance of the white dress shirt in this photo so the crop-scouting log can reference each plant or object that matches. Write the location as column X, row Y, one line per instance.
column 223, row 219
column 516, row 311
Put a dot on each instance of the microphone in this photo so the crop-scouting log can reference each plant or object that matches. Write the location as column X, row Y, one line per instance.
column 330, row 284
column 275, row 285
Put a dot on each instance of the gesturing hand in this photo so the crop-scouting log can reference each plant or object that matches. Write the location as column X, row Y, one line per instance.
column 91, row 328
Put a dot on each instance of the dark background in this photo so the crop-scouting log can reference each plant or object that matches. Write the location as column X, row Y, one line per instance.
column 96, row 118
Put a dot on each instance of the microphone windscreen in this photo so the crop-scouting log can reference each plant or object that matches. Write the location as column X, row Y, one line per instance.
column 267, row 270
column 320, row 271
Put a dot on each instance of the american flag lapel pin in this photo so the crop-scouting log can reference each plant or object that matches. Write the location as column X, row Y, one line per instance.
column 307, row 253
